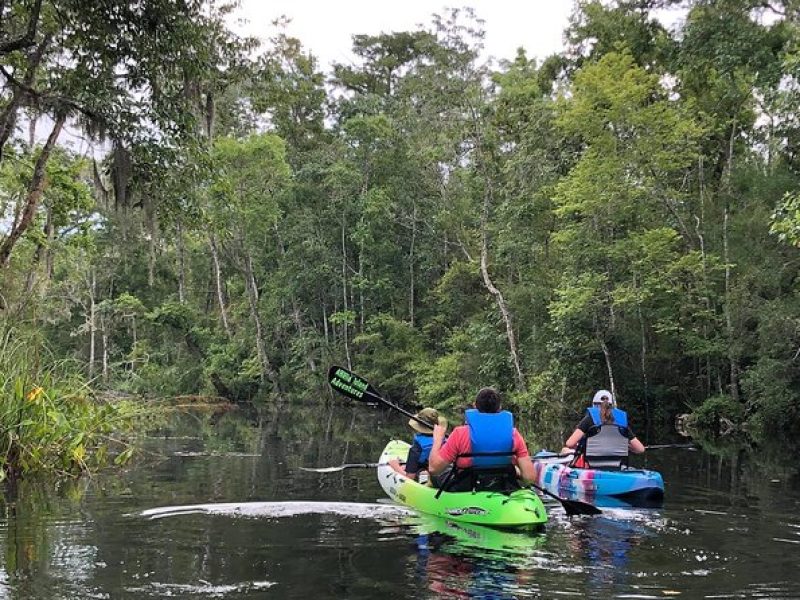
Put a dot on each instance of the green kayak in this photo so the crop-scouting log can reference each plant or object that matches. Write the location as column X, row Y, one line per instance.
column 521, row 509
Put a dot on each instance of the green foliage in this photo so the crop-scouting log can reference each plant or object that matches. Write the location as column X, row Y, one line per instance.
column 388, row 349
column 50, row 419
column 708, row 415
column 633, row 199
column 785, row 221
column 444, row 382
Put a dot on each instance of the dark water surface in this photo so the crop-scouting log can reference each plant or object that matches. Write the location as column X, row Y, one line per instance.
column 219, row 509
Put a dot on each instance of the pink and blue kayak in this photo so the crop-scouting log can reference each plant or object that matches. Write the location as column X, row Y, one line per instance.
column 635, row 487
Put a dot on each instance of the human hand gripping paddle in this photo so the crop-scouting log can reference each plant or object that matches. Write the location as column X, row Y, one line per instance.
column 357, row 388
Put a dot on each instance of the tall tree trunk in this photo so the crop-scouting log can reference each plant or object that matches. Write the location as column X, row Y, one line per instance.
column 34, row 195
column 411, row 259
column 32, row 130
column 645, row 383
column 733, row 355
column 104, row 337
column 699, row 228
column 223, row 312
column 133, row 347
column 267, row 374
column 295, row 310
column 607, row 356
column 92, row 322
column 498, row 296
column 344, row 292
column 488, row 196
column 181, row 264
column 153, row 247
column 362, row 309
column 43, row 254
column 325, row 322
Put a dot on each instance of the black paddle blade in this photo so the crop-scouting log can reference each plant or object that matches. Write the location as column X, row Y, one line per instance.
column 571, row 507
column 576, row 507
column 351, row 385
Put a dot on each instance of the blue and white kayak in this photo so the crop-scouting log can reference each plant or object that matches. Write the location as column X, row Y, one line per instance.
column 636, row 487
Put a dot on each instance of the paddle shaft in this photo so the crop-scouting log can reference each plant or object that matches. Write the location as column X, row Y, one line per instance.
column 662, row 446
column 399, row 409
column 345, row 466
column 352, row 386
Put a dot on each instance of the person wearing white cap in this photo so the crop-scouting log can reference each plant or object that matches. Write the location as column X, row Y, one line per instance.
column 603, row 438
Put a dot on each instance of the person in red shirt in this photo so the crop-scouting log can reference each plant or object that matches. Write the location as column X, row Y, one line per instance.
column 488, row 443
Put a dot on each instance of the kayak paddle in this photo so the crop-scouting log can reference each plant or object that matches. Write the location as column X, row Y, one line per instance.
column 351, row 385
column 689, row 446
column 342, row 467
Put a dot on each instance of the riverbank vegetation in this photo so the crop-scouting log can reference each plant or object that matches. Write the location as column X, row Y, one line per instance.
column 51, row 421
column 623, row 214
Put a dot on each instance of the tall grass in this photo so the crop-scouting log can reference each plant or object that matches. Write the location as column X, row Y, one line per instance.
column 50, row 420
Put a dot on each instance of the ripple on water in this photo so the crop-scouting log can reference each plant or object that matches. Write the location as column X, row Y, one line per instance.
column 279, row 509
column 201, row 589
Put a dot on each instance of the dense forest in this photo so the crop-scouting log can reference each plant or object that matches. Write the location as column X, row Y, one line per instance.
column 625, row 214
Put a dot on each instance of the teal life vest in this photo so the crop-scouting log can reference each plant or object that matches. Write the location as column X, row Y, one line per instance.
column 491, row 433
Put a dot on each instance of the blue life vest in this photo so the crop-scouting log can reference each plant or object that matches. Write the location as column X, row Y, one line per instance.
column 620, row 416
column 426, row 443
column 490, row 432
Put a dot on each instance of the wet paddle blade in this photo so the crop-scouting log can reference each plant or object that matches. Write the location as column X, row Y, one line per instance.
column 576, row 507
column 571, row 507
column 340, row 467
column 688, row 446
column 357, row 388
column 351, row 385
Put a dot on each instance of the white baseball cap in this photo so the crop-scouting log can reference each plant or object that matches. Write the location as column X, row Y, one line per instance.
column 603, row 395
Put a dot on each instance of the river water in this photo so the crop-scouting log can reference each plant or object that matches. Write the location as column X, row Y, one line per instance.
column 218, row 508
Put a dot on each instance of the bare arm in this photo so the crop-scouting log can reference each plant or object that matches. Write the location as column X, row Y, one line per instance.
column 573, row 440
column 436, row 464
column 526, row 471
column 395, row 464
column 635, row 446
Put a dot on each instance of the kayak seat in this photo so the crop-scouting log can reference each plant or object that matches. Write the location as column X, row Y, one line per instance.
column 494, row 478
column 600, row 463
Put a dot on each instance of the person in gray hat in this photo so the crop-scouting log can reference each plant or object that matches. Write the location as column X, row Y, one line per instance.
column 421, row 445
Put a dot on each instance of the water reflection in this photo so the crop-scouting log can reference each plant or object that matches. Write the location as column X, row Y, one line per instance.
column 595, row 553
column 471, row 561
column 604, row 545
column 218, row 508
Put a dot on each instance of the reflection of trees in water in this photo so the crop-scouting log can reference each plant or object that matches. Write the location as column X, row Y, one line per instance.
column 605, row 546
column 48, row 544
column 31, row 509
column 733, row 467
